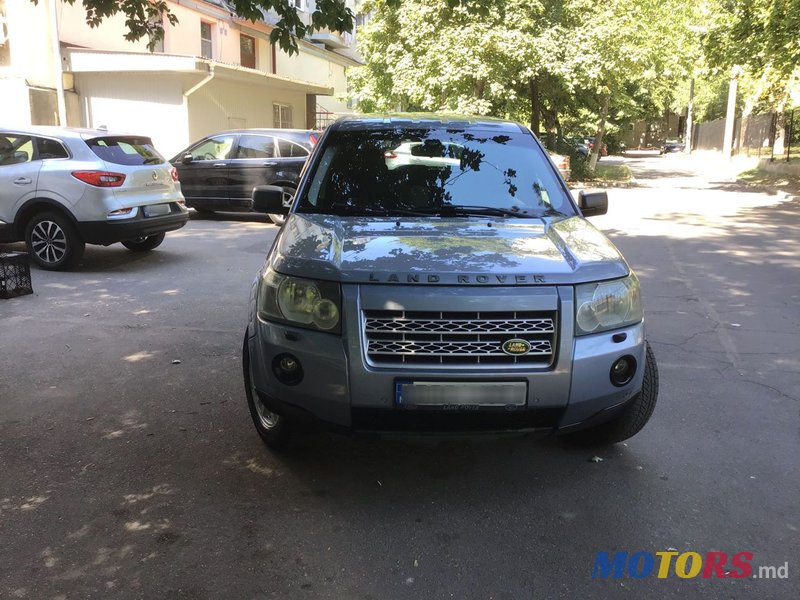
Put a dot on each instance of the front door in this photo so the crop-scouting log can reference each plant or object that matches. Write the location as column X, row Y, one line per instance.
column 254, row 163
column 204, row 178
column 19, row 173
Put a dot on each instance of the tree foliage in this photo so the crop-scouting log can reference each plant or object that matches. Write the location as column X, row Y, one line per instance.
column 584, row 61
column 762, row 38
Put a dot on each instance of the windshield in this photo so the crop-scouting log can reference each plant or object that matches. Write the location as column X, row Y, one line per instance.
column 433, row 171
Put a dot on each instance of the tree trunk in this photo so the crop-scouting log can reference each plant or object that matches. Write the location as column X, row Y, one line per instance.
column 533, row 86
column 598, row 139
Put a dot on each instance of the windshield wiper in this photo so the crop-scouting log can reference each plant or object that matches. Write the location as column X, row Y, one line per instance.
column 464, row 210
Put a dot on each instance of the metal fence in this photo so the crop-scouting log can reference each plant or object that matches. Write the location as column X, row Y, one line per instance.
column 791, row 137
column 709, row 135
column 771, row 135
column 756, row 135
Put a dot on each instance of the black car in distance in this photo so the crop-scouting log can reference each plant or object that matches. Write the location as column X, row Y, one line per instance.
column 219, row 172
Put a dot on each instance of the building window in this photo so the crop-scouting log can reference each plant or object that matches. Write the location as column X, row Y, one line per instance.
column 298, row 4
column 206, row 47
column 247, row 47
column 281, row 116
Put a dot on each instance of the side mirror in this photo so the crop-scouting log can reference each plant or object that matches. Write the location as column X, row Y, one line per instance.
column 593, row 204
column 187, row 158
column 269, row 199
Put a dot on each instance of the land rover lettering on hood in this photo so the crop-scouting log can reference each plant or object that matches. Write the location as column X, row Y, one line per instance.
column 434, row 274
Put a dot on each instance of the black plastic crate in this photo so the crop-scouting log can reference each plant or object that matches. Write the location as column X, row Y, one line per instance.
column 15, row 275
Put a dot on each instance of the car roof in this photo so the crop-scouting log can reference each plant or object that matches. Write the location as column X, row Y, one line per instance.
column 426, row 120
column 66, row 132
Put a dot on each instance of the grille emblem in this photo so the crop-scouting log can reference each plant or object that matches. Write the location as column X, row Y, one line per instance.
column 155, row 175
column 516, row 347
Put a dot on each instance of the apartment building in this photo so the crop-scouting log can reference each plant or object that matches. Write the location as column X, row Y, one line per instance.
column 212, row 71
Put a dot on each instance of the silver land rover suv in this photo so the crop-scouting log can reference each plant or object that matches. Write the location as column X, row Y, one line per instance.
column 434, row 274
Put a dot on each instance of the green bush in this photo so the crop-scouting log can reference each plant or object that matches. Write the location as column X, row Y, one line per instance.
column 579, row 165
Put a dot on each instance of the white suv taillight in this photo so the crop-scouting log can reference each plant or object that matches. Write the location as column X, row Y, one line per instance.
column 100, row 178
column 173, row 172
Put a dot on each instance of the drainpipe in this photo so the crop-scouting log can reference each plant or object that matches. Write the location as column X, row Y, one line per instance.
column 191, row 91
column 59, row 68
column 200, row 83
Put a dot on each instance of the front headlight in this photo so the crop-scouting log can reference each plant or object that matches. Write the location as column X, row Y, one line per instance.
column 302, row 302
column 607, row 305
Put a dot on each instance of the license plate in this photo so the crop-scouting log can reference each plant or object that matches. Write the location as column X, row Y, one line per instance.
column 156, row 210
column 460, row 394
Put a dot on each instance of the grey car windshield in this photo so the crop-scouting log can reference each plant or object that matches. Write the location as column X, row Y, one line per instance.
column 433, row 171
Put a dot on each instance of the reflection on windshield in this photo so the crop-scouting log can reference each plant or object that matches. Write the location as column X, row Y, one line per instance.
column 432, row 171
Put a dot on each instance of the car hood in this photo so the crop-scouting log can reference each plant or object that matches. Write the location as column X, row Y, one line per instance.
column 445, row 251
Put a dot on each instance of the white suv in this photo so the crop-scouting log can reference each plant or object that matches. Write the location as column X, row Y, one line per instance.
column 62, row 188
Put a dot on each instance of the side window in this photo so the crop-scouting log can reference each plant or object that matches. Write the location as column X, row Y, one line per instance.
column 291, row 150
column 216, row 148
column 15, row 149
column 50, row 149
column 256, row 146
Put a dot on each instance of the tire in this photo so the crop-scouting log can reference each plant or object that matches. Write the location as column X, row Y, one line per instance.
column 632, row 418
column 274, row 430
column 279, row 220
column 144, row 244
column 53, row 242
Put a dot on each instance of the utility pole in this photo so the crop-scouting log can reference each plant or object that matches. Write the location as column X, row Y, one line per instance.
column 730, row 115
column 687, row 139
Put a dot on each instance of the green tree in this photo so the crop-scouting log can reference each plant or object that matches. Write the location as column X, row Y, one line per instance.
column 592, row 60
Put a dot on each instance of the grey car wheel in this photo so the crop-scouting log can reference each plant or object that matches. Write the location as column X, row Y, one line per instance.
column 274, row 429
column 288, row 196
column 53, row 242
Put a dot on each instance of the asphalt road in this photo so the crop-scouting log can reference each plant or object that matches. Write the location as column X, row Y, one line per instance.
column 125, row 474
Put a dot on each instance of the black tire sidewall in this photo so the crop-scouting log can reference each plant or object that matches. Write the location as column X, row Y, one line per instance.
column 75, row 243
column 633, row 417
column 149, row 243
column 277, row 437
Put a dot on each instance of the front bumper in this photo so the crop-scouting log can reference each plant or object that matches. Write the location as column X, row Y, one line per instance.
column 341, row 389
column 112, row 231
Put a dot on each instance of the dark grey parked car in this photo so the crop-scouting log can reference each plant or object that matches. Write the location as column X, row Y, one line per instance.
column 220, row 171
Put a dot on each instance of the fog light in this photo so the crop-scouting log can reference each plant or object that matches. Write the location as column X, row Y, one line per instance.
column 623, row 370
column 287, row 369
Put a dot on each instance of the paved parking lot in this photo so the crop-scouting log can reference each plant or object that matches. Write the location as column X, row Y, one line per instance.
column 125, row 473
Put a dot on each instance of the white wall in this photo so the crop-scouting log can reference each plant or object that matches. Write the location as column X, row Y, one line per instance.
column 30, row 51
column 221, row 105
column 307, row 66
column 141, row 103
column 16, row 110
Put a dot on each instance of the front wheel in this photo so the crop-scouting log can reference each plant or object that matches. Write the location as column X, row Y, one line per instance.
column 288, row 196
column 144, row 243
column 632, row 418
column 53, row 242
column 273, row 429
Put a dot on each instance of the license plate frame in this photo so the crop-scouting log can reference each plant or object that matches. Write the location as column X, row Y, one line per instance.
column 156, row 210
column 460, row 395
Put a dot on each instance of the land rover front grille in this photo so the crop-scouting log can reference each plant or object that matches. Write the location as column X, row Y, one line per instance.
column 453, row 338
